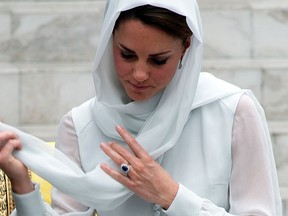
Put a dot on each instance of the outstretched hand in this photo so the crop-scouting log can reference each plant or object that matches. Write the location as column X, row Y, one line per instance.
column 146, row 177
column 14, row 169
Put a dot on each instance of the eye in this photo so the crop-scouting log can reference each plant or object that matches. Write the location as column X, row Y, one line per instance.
column 127, row 56
column 159, row 62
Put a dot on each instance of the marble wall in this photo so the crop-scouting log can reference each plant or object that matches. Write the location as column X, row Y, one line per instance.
column 246, row 44
column 47, row 50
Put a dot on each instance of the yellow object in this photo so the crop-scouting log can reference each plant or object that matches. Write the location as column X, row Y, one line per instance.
column 6, row 200
column 45, row 187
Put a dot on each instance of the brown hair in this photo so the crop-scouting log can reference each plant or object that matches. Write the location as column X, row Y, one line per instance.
column 161, row 18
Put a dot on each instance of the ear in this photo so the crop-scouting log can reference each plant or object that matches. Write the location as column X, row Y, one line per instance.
column 186, row 45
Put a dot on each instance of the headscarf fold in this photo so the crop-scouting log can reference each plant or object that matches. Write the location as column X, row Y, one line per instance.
column 160, row 118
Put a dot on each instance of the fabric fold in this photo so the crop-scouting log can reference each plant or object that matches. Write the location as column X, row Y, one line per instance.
column 157, row 124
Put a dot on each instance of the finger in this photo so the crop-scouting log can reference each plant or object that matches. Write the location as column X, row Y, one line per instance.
column 125, row 153
column 7, row 135
column 12, row 144
column 135, row 164
column 132, row 142
column 114, row 155
column 116, row 175
column 16, row 143
column 125, row 158
column 7, row 150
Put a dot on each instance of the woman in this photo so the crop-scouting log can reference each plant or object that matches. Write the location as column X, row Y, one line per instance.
column 202, row 146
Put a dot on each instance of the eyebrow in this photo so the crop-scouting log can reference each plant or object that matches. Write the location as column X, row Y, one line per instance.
column 121, row 46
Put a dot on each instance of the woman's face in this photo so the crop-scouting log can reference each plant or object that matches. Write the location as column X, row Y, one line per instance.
column 146, row 58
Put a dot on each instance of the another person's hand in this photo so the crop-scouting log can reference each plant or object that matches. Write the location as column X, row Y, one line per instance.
column 14, row 169
column 146, row 177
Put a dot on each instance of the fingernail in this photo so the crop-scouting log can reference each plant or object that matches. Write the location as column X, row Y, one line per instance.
column 103, row 144
column 118, row 127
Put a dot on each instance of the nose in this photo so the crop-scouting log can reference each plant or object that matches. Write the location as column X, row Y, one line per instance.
column 141, row 72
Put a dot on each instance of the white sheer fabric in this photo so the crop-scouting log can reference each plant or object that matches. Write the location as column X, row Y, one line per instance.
column 250, row 182
column 251, row 186
column 191, row 119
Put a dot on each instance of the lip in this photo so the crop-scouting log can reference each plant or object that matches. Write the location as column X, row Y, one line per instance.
column 138, row 87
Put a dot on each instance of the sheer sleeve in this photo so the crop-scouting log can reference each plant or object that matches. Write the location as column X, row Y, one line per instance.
column 251, row 184
column 68, row 144
column 251, row 187
column 32, row 204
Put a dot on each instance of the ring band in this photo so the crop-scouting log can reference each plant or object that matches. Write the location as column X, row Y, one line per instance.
column 125, row 168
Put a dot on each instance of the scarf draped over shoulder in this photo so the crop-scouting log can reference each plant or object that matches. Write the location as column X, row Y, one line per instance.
column 160, row 118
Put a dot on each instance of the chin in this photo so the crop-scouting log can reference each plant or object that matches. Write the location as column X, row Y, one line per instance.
column 139, row 97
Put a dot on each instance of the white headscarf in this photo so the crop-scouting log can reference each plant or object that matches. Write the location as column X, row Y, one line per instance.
column 160, row 118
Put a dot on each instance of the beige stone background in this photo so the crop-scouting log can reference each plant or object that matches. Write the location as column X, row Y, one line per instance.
column 47, row 50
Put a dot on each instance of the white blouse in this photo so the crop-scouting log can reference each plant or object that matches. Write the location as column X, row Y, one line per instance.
column 250, row 186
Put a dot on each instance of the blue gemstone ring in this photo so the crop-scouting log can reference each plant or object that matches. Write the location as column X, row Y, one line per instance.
column 125, row 168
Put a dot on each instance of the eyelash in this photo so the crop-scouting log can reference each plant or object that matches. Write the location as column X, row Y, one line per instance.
column 155, row 61
column 127, row 56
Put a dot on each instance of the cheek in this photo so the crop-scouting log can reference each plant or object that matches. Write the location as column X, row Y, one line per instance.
column 122, row 68
column 165, row 75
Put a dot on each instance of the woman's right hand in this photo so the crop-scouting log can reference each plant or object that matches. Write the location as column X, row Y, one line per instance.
column 16, row 171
